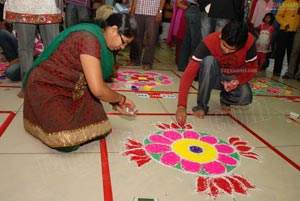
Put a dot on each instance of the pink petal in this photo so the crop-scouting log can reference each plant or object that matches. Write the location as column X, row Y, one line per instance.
column 160, row 139
column 214, row 168
column 209, row 139
column 121, row 79
column 191, row 135
column 173, row 135
column 227, row 159
column 157, row 148
column 170, row 159
column 167, row 82
column 224, row 148
column 190, row 166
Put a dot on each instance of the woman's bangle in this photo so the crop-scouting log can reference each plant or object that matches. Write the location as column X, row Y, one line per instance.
column 123, row 100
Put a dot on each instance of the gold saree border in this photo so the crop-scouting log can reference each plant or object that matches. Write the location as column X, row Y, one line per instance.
column 33, row 18
column 68, row 138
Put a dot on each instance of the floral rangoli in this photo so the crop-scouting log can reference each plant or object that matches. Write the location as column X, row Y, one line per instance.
column 268, row 87
column 210, row 158
column 141, row 79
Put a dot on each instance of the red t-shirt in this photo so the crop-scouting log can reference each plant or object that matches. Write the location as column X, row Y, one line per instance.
column 241, row 63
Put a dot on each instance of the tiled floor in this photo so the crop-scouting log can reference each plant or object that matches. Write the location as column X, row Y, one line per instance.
column 259, row 144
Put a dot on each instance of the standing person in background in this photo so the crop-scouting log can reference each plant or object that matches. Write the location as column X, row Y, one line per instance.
column 26, row 16
column 224, row 60
column 192, row 36
column 264, row 39
column 178, row 26
column 77, row 11
column 65, row 88
column 288, row 18
column 259, row 8
column 215, row 14
column 148, row 14
column 293, row 71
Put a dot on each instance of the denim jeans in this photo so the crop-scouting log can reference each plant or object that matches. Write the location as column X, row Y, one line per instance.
column 9, row 45
column 192, row 36
column 76, row 14
column 209, row 25
column 210, row 77
column 14, row 72
column 26, row 36
column 294, row 65
column 146, row 25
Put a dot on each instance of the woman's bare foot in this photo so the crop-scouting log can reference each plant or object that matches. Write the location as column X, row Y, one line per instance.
column 225, row 109
column 199, row 113
column 20, row 94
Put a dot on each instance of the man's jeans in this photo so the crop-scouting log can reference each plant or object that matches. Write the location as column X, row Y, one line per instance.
column 149, row 28
column 192, row 36
column 9, row 45
column 26, row 33
column 14, row 72
column 210, row 77
column 76, row 14
column 209, row 25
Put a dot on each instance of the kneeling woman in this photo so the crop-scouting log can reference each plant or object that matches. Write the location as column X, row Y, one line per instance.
column 65, row 86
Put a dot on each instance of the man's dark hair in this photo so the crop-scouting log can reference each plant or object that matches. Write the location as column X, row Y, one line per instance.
column 235, row 33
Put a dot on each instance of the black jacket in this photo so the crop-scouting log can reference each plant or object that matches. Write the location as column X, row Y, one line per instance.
column 227, row 9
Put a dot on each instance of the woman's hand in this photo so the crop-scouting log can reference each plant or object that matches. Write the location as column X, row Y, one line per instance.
column 181, row 115
column 126, row 107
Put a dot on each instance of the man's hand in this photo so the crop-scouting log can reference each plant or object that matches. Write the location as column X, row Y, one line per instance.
column 230, row 86
column 181, row 115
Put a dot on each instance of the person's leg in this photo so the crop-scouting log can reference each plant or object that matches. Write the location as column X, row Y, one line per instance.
column 13, row 72
column 297, row 74
column 26, row 35
column 220, row 23
column 206, row 24
column 48, row 33
column 177, row 50
column 280, row 52
column 71, row 15
column 295, row 52
column 84, row 14
column 195, row 27
column 9, row 45
column 137, row 44
column 259, row 59
column 209, row 78
column 289, row 44
column 151, row 31
column 185, row 50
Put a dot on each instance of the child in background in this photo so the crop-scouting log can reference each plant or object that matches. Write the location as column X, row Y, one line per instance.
column 263, row 43
column 264, row 38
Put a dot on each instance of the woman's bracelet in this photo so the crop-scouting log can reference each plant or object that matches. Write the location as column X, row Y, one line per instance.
column 121, row 102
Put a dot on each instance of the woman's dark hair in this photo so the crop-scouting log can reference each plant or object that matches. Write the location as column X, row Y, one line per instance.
column 126, row 24
column 235, row 33
column 271, row 16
